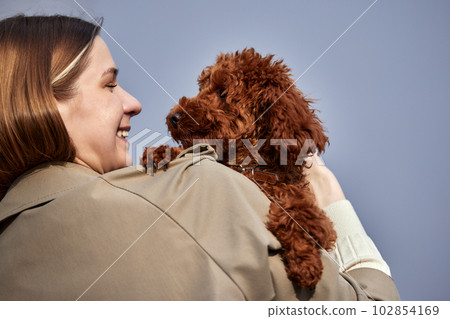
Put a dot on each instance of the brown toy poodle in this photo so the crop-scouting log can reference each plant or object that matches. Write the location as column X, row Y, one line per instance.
column 266, row 125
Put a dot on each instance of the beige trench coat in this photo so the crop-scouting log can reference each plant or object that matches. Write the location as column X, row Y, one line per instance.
column 194, row 232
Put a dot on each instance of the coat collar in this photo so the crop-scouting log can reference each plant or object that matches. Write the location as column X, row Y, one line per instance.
column 41, row 184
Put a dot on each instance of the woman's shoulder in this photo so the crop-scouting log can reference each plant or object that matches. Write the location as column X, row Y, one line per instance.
column 44, row 183
column 195, row 174
column 79, row 228
column 196, row 193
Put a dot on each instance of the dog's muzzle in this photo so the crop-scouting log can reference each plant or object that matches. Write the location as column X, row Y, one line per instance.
column 174, row 119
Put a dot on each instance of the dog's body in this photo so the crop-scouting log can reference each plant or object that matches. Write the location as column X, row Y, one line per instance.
column 243, row 99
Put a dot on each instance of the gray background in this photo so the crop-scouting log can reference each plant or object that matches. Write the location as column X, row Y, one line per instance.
column 382, row 90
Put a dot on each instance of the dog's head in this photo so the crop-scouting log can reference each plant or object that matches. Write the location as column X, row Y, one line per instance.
column 247, row 96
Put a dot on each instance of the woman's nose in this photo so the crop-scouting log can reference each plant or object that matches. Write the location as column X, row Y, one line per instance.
column 131, row 105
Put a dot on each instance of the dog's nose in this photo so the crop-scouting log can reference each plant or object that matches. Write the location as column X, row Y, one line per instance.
column 174, row 119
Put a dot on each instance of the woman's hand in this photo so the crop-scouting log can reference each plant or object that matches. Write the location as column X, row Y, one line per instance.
column 322, row 182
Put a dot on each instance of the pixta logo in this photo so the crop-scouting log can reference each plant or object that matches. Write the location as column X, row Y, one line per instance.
column 143, row 139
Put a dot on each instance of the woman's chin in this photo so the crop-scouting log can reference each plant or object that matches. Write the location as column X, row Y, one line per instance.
column 124, row 158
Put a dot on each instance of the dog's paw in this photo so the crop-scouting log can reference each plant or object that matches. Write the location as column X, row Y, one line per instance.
column 156, row 157
column 159, row 157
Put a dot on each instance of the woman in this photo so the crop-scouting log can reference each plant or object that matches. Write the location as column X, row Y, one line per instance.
column 77, row 224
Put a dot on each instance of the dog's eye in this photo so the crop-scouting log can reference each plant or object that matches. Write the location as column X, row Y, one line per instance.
column 222, row 93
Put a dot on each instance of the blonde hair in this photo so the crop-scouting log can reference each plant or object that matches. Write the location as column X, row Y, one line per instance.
column 41, row 58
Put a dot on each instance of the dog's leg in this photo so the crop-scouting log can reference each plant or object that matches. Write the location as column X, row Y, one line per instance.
column 302, row 229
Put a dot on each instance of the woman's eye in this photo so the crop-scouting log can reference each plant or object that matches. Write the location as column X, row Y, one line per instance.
column 111, row 86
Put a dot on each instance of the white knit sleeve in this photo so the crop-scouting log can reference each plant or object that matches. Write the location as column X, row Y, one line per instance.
column 354, row 248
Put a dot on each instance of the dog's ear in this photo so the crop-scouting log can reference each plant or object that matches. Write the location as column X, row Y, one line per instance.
column 286, row 114
column 216, row 80
column 203, row 78
column 220, row 82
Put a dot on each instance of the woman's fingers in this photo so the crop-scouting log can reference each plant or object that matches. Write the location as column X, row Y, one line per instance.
column 322, row 182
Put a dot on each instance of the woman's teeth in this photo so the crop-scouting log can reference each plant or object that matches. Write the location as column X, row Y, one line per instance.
column 122, row 133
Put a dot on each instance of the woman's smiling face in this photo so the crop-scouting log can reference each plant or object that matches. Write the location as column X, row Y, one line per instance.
column 98, row 117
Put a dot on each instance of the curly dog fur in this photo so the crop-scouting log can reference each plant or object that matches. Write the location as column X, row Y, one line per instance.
column 244, row 87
